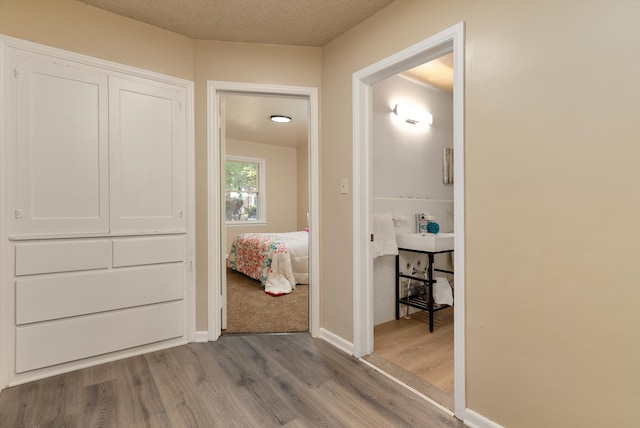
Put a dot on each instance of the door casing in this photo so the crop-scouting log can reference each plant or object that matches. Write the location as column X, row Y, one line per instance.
column 449, row 40
column 215, row 240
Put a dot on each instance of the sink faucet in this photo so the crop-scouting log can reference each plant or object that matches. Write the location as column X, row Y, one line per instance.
column 422, row 220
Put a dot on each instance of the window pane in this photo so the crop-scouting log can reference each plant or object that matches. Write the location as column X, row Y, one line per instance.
column 241, row 194
column 241, row 206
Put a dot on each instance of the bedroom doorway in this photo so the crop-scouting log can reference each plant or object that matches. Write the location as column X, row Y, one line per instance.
column 272, row 168
column 448, row 41
column 266, row 201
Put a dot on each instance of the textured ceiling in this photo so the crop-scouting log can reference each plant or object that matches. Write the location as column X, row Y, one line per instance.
column 281, row 22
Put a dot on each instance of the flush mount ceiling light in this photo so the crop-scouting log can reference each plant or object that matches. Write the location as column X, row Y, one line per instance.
column 412, row 117
column 280, row 118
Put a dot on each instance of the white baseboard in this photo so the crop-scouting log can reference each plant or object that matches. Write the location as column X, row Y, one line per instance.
column 202, row 336
column 476, row 420
column 336, row 341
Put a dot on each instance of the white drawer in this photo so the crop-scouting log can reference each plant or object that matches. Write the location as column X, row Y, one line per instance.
column 55, row 342
column 66, row 295
column 145, row 251
column 61, row 256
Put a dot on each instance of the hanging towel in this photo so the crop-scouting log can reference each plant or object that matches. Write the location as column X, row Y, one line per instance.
column 442, row 294
column 384, row 236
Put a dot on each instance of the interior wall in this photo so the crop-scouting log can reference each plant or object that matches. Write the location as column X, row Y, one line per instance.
column 407, row 159
column 77, row 27
column 281, row 187
column 551, row 110
column 246, row 63
column 302, row 159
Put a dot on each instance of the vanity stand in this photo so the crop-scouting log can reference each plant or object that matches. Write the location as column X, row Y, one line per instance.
column 421, row 302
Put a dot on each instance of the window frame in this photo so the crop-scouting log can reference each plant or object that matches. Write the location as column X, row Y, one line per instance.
column 261, row 185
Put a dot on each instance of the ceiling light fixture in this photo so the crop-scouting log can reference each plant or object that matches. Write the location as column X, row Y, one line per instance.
column 280, row 118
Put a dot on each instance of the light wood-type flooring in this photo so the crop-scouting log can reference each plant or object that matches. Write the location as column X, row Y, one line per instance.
column 287, row 380
column 405, row 349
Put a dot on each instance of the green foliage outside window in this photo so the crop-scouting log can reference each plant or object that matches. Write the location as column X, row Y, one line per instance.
column 241, row 190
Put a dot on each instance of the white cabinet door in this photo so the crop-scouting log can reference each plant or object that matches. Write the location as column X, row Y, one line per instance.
column 148, row 156
column 59, row 137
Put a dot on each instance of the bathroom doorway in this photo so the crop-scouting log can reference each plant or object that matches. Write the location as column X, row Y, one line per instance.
column 448, row 41
column 412, row 131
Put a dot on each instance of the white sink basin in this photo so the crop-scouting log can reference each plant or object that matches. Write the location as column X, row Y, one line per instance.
column 425, row 242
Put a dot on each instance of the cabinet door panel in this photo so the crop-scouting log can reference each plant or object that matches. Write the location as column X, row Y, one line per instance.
column 148, row 152
column 61, row 147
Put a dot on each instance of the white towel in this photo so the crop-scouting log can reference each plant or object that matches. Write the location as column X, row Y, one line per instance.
column 442, row 294
column 384, row 236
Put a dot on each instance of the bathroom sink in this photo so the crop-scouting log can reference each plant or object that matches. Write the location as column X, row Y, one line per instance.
column 425, row 242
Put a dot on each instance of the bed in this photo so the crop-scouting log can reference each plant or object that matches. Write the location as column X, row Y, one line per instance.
column 278, row 260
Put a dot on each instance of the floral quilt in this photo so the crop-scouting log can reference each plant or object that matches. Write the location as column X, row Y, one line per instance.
column 277, row 260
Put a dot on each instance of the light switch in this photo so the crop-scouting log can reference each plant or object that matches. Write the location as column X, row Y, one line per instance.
column 344, row 186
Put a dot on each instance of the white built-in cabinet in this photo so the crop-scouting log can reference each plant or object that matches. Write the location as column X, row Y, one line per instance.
column 97, row 210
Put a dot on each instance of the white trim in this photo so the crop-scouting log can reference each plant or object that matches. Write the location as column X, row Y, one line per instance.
column 214, row 216
column 337, row 341
column 7, row 346
column 201, row 336
column 451, row 39
column 404, row 385
column 114, row 67
column 475, row 420
column 5, row 308
column 191, row 214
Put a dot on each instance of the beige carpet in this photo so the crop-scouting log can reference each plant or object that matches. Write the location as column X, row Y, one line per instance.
column 251, row 310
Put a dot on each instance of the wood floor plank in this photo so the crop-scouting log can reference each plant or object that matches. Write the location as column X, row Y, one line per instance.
column 238, row 381
column 408, row 344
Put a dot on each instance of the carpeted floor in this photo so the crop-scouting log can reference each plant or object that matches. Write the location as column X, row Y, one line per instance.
column 251, row 310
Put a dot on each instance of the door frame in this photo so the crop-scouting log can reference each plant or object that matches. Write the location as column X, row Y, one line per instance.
column 216, row 233
column 449, row 40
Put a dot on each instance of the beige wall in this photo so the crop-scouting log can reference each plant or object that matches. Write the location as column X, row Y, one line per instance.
column 74, row 26
column 281, row 186
column 552, row 205
column 302, row 154
column 247, row 63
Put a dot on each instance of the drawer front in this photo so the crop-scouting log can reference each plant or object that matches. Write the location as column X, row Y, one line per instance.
column 145, row 251
column 55, row 342
column 61, row 256
column 67, row 295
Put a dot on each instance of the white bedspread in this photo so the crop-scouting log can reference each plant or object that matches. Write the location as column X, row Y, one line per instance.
column 278, row 260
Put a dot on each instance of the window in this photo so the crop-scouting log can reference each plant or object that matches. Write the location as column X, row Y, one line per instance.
column 244, row 190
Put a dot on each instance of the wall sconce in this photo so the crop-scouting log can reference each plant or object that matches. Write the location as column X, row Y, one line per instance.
column 412, row 117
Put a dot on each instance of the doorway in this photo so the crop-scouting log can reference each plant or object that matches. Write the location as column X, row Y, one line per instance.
column 217, row 239
column 264, row 144
column 450, row 40
column 408, row 178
